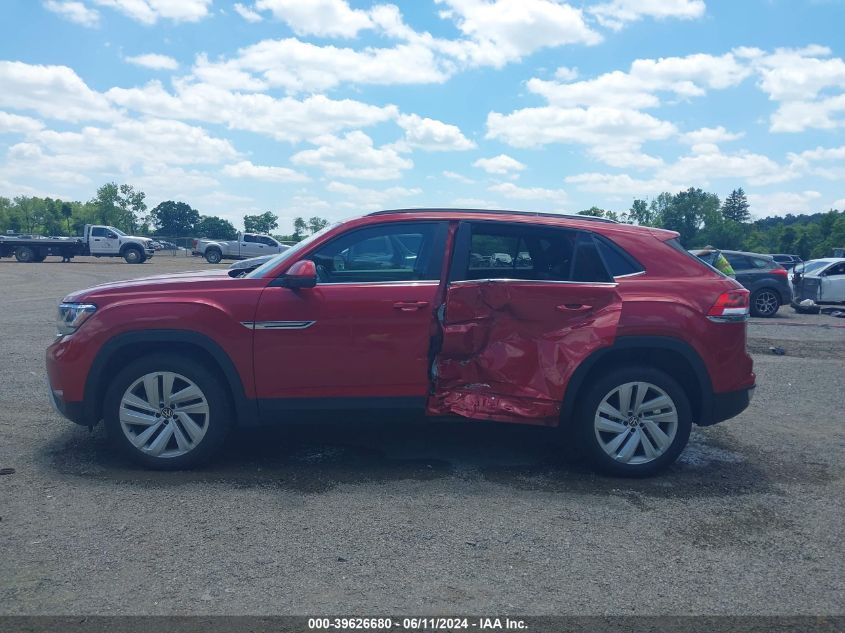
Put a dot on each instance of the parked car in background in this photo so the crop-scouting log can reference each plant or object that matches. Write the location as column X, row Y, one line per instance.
column 767, row 280
column 245, row 266
column 612, row 333
column 246, row 245
column 820, row 280
column 787, row 261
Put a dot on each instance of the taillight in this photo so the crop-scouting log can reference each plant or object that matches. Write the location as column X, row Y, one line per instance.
column 783, row 272
column 730, row 306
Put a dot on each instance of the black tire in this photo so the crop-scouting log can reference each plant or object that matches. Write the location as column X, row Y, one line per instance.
column 133, row 255
column 765, row 303
column 218, row 421
column 588, row 437
column 25, row 255
column 213, row 255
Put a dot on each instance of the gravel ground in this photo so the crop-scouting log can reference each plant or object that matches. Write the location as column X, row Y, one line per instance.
column 373, row 517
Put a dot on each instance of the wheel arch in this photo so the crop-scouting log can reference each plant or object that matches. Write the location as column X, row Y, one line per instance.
column 674, row 356
column 130, row 346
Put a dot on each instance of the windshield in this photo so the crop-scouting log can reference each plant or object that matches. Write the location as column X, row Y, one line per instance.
column 290, row 253
column 118, row 231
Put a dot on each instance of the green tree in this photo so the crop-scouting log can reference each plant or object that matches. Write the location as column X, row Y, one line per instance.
column 263, row 223
column 300, row 226
column 688, row 211
column 132, row 206
column 641, row 213
column 105, row 203
column 67, row 213
column 215, row 228
column 174, row 219
column 736, row 207
column 316, row 224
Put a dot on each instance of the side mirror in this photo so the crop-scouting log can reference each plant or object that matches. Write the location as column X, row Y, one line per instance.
column 303, row 274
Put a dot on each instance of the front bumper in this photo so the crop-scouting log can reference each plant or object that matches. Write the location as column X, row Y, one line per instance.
column 728, row 405
column 73, row 411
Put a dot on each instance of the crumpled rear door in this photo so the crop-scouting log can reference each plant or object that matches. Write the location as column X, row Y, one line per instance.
column 509, row 347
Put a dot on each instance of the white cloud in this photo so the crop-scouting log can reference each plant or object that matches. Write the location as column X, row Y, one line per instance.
column 53, row 91
column 150, row 11
column 127, row 149
column 246, row 13
column 74, row 11
column 353, row 156
column 501, row 164
column 685, row 77
column 246, row 169
column 710, row 135
column 363, row 199
column 510, row 190
column 621, row 184
column 15, row 124
column 432, row 135
column 286, row 119
column 324, row 18
column 707, row 162
column 507, row 30
column 302, row 66
column 154, row 61
column 565, row 73
column 451, row 175
column 783, row 202
column 611, row 135
column 617, row 13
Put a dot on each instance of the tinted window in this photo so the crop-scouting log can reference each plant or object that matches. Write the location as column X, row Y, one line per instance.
column 98, row 231
column 738, row 262
column 526, row 252
column 838, row 269
column 756, row 262
column 269, row 241
column 617, row 261
column 250, row 238
column 389, row 252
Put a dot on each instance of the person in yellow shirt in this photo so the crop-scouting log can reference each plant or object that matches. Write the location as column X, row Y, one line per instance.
column 719, row 261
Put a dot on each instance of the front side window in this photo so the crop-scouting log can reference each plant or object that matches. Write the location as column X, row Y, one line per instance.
column 498, row 251
column 98, row 231
column 399, row 251
column 837, row 269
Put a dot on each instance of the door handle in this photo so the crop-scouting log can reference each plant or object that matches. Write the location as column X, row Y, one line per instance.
column 573, row 307
column 409, row 306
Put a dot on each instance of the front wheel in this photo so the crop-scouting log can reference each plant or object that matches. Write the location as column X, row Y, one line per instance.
column 167, row 412
column 634, row 422
column 765, row 303
column 133, row 256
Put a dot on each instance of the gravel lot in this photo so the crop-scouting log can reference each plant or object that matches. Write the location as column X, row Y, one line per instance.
column 398, row 517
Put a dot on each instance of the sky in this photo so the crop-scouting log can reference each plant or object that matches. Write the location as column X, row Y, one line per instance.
column 339, row 107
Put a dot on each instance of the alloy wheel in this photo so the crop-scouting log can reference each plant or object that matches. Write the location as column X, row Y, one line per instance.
column 766, row 303
column 636, row 422
column 164, row 414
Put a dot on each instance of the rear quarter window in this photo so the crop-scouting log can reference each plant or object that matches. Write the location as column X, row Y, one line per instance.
column 617, row 261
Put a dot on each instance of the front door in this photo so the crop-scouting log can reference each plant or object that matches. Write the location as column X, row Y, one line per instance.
column 514, row 328
column 833, row 283
column 104, row 241
column 361, row 337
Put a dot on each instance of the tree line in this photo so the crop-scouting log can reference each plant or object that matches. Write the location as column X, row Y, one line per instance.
column 700, row 218
column 124, row 207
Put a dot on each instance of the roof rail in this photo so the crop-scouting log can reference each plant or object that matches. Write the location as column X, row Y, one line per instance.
column 570, row 216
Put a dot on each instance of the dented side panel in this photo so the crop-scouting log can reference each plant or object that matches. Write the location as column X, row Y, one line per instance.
column 509, row 347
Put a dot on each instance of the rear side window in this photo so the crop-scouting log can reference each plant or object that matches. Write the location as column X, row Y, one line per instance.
column 738, row 262
column 617, row 261
column 504, row 251
column 764, row 264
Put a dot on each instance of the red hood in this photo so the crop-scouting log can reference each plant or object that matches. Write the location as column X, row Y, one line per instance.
column 172, row 281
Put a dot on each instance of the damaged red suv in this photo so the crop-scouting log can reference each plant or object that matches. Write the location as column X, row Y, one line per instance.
column 612, row 333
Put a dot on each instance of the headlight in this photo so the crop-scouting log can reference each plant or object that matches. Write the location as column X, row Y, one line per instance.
column 72, row 316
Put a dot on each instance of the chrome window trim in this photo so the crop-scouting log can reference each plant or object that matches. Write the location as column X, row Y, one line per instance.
column 639, row 272
column 420, row 282
column 610, row 284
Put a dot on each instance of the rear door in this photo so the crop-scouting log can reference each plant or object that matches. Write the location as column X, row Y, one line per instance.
column 513, row 329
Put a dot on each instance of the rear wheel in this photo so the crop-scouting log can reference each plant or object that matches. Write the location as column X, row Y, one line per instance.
column 167, row 412
column 634, row 422
column 765, row 303
column 213, row 255
column 24, row 254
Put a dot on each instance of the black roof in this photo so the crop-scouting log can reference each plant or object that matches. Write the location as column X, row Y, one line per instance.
column 570, row 216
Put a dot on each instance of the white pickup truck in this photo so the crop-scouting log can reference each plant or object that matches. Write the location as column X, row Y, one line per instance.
column 97, row 240
column 247, row 245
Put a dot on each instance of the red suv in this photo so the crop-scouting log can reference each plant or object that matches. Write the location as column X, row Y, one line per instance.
column 612, row 333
